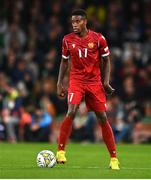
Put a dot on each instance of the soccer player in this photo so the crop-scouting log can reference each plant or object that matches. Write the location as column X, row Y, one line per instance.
column 85, row 50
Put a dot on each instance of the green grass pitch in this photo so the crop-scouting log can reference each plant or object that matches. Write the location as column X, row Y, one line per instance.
column 84, row 161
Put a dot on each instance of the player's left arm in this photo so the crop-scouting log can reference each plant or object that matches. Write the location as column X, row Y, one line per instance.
column 106, row 66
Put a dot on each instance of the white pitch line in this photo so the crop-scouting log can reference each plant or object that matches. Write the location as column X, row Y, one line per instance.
column 145, row 168
column 79, row 167
column 97, row 167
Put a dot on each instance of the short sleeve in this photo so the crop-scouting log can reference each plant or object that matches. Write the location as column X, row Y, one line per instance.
column 103, row 47
column 65, row 50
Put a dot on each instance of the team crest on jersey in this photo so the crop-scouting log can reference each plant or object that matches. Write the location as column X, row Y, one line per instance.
column 90, row 45
column 73, row 45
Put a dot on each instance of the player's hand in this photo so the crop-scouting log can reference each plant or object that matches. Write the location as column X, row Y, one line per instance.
column 108, row 89
column 35, row 127
column 61, row 90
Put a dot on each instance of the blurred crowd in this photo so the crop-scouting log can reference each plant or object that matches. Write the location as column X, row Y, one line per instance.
column 30, row 51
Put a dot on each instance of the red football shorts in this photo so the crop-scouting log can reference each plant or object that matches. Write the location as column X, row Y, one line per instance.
column 93, row 94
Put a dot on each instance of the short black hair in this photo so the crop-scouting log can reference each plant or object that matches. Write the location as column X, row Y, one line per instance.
column 79, row 12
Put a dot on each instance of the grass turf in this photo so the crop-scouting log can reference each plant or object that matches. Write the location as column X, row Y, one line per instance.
column 84, row 161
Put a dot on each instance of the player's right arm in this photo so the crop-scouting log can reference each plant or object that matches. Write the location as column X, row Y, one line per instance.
column 62, row 71
column 61, row 91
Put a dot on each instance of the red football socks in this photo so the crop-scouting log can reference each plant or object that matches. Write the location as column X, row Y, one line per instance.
column 107, row 133
column 108, row 138
column 65, row 131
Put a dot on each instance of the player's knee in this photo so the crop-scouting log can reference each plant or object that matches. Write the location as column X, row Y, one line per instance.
column 103, row 121
column 72, row 109
column 102, row 118
column 71, row 113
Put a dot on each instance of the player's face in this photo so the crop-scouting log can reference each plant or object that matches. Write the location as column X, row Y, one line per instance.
column 78, row 24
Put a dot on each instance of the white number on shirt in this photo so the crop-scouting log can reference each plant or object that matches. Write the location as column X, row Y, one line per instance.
column 85, row 53
column 70, row 97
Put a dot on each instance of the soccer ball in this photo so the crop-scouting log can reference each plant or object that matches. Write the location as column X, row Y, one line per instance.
column 46, row 158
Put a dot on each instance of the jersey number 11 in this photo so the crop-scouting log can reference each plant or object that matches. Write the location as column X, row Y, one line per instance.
column 85, row 53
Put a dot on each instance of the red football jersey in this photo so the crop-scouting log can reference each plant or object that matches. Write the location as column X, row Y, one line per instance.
column 85, row 55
